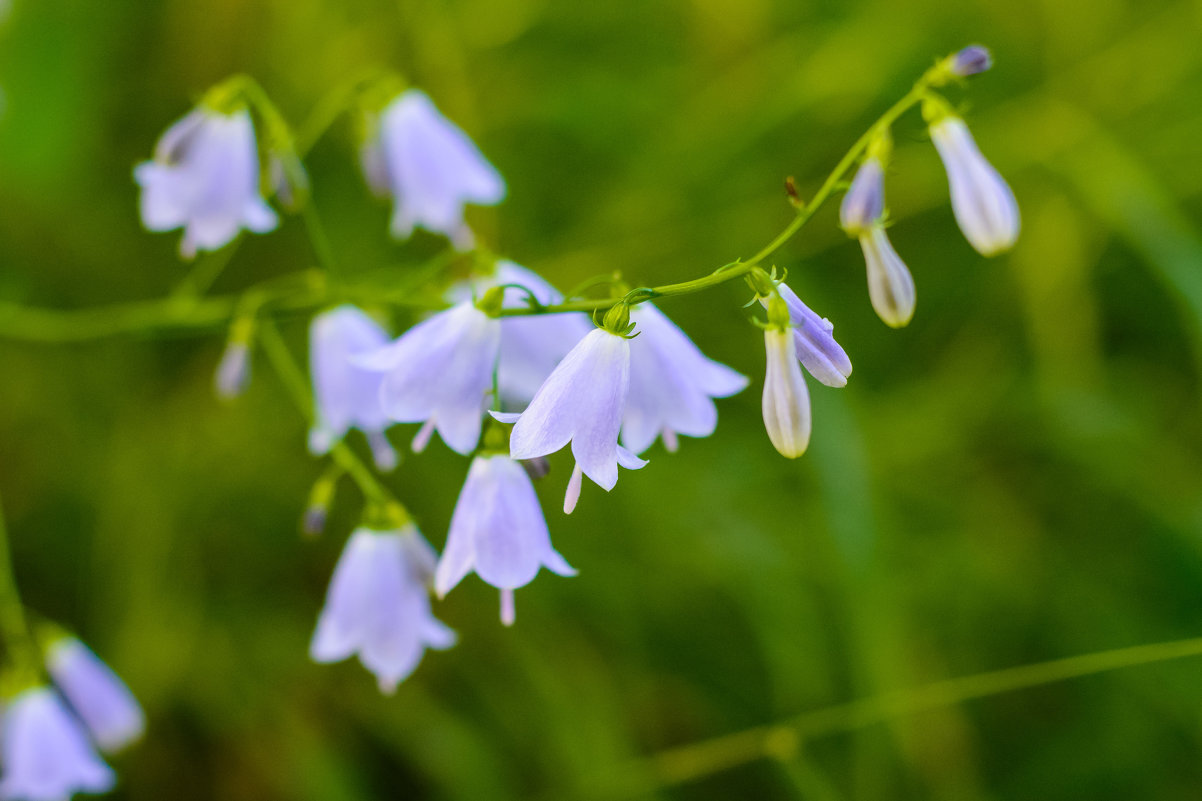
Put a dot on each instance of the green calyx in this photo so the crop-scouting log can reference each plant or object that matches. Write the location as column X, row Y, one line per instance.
column 492, row 301
column 778, row 312
column 761, row 283
column 385, row 516
column 617, row 321
column 935, row 109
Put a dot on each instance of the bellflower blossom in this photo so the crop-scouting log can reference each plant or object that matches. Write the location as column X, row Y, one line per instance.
column 46, row 754
column 101, row 700
column 796, row 336
column 205, row 179
column 580, row 402
column 378, row 606
column 498, row 530
column 429, row 167
column 890, row 285
column 985, row 208
column 671, row 384
column 439, row 373
column 531, row 345
column 346, row 394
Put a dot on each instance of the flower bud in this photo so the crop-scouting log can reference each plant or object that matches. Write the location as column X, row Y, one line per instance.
column 233, row 371
column 890, row 285
column 864, row 203
column 786, row 403
column 970, row 61
column 984, row 206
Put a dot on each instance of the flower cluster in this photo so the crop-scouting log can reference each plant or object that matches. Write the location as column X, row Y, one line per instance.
column 504, row 368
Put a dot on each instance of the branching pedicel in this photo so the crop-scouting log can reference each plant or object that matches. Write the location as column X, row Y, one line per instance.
column 504, row 342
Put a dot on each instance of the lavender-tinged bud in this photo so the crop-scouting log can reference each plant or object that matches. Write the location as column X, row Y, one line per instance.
column 971, row 60
column 864, row 203
column 982, row 201
column 815, row 342
column 46, row 751
column 786, row 403
column 233, row 371
column 313, row 523
column 100, row 699
column 890, row 285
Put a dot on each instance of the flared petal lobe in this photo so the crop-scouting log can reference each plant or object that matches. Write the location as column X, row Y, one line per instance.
column 46, row 754
column 377, row 606
column 205, row 179
column 982, row 201
column 101, row 700
column 429, row 166
column 786, row 403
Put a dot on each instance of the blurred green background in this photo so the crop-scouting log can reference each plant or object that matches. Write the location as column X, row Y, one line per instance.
column 1015, row 477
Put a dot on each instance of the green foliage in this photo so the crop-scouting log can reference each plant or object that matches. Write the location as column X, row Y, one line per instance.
column 1015, row 477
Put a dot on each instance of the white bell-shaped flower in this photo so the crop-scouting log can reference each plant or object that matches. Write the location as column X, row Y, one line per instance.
column 429, row 167
column 439, row 373
column 205, row 179
column 786, row 403
column 46, row 754
column 498, row 530
column 984, row 206
column 531, row 345
column 346, row 394
column 580, row 402
column 378, row 606
column 672, row 384
column 99, row 697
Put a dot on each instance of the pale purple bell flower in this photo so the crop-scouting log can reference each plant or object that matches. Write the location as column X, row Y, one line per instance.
column 429, row 167
column 814, row 341
column 378, row 606
column 498, row 530
column 982, row 201
column 346, row 394
column 439, row 373
column 101, row 700
column 531, row 345
column 672, row 384
column 205, row 179
column 46, row 753
column 580, row 402
column 890, row 285
column 786, row 402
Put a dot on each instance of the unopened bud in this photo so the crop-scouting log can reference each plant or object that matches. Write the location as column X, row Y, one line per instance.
column 314, row 521
column 536, row 468
column 970, row 61
column 233, row 371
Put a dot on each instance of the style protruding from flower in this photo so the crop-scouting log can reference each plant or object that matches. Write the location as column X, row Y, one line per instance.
column 498, row 530
column 205, row 179
column 439, row 373
column 97, row 695
column 531, row 345
column 582, row 402
column 46, row 753
column 429, row 167
column 378, row 606
column 346, row 394
column 862, row 215
column 672, row 384
column 794, row 336
column 982, row 201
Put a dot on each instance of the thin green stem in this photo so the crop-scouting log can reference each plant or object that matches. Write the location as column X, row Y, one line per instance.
column 318, row 239
column 20, row 649
column 298, row 388
column 691, row 762
column 206, row 271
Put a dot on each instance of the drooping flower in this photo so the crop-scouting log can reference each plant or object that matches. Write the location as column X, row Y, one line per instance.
column 439, row 373
column 985, row 208
column 498, row 530
column 347, row 395
column 862, row 213
column 672, row 384
column 101, row 700
column 378, row 606
column 46, row 754
column 429, row 167
column 581, row 402
column 796, row 336
column 205, row 179
column 531, row 345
